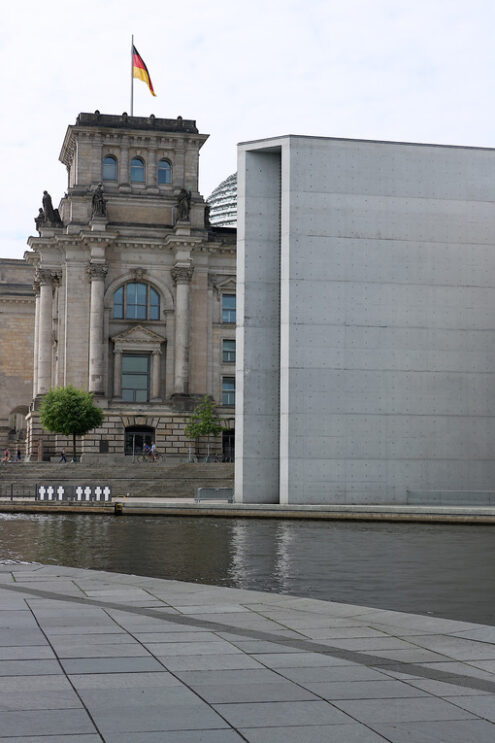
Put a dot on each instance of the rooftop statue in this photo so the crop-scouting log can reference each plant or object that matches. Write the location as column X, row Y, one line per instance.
column 51, row 215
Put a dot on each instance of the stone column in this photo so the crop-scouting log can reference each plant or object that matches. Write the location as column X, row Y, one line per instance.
column 182, row 277
column 45, row 338
column 36, row 288
column 117, row 373
column 97, row 273
column 155, row 375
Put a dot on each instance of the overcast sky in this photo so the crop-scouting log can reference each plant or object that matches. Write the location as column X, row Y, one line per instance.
column 412, row 70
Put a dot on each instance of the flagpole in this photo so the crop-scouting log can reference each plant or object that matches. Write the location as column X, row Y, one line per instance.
column 132, row 75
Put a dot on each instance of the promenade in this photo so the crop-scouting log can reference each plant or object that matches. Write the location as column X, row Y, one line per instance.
column 89, row 656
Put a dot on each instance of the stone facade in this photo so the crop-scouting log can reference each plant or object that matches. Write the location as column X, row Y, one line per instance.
column 16, row 349
column 130, row 282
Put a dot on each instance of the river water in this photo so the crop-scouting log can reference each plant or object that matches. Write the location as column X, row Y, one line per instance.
column 440, row 570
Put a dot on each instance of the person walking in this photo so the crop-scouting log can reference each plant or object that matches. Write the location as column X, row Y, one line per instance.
column 62, row 456
column 6, row 456
column 153, row 451
column 19, row 455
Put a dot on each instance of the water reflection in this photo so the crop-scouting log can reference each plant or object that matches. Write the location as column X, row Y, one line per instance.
column 443, row 570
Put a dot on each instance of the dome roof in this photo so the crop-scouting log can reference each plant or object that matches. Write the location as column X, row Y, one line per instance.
column 223, row 203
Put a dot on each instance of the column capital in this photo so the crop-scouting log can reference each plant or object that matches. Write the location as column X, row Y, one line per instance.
column 156, row 352
column 182, row 274
column 97, row 271
column 44, row 276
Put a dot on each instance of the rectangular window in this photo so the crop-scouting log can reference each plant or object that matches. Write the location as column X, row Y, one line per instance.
column 228, row 352
column 228, row 308
column 228, row 391
column 135, row 377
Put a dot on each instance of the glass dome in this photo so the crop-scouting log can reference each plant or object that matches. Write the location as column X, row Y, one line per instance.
column 223, row 203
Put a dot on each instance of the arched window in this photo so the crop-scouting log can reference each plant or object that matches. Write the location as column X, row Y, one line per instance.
column 136, row 301
column 137, row 170
column 164, row 172
column 109, row 168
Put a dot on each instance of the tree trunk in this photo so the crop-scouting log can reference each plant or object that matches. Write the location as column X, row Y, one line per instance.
column 73, row 447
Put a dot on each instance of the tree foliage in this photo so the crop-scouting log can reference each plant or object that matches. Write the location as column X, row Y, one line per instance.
column 71, row 412
column 203, row 421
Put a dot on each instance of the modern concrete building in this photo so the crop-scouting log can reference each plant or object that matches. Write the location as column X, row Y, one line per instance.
column 135, row 290
column 366, row 320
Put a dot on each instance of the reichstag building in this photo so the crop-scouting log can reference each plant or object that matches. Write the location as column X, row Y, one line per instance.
column 128, row 291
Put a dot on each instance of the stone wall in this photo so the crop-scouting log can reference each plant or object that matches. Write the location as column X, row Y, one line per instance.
column 16, row 349
column 170, row 437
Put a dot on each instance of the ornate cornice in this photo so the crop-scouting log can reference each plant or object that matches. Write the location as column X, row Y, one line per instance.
column 182, row 274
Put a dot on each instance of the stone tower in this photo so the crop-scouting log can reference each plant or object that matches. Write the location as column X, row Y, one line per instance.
column 130, row 281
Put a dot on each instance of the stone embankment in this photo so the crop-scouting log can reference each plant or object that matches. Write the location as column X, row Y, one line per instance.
column 135, row 480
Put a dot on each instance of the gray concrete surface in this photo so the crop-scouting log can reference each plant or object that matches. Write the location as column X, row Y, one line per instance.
column 89, row 656
column 366, row 342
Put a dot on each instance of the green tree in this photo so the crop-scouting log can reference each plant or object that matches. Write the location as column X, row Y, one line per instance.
column 203, row 423
column 71, row 412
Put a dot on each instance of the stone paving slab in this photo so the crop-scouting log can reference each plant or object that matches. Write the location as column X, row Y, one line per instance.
column 90, row 656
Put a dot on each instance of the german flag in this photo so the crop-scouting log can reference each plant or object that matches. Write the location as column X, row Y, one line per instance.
column 140, row 70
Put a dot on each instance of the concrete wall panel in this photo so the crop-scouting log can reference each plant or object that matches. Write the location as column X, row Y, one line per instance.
column 387, row 319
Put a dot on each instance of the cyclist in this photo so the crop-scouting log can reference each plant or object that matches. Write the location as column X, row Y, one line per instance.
column 147, row 450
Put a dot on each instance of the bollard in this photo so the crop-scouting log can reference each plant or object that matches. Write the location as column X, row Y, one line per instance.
column 118, row 509
column 11, row 491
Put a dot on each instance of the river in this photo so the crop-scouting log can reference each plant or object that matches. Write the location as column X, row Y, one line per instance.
column 439, row 570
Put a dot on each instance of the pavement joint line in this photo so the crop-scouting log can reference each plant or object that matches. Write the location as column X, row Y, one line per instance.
column 75, row 690
column 365, row 659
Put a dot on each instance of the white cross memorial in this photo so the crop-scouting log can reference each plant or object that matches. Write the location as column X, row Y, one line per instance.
column 98, row 492
column 50, row 492
column 87, row 492
column 60, row 491
column 106, row 492
column 41, row 492
column 79, row 492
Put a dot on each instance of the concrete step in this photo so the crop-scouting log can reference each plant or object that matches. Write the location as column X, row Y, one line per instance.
column 136, row 480
column 14, row 471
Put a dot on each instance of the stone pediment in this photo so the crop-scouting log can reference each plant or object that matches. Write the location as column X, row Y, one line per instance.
column 138, row 334
column 223, row 284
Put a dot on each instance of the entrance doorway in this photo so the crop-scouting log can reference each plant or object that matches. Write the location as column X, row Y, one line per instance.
column 136, row 437
column 228, row 445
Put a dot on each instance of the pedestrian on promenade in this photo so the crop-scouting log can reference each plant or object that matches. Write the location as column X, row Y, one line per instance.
column 153, row 451
column 62, row 456
column 19, row 455
column 6, row 456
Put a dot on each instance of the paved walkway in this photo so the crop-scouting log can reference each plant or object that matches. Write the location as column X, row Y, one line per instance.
column 89, row 656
